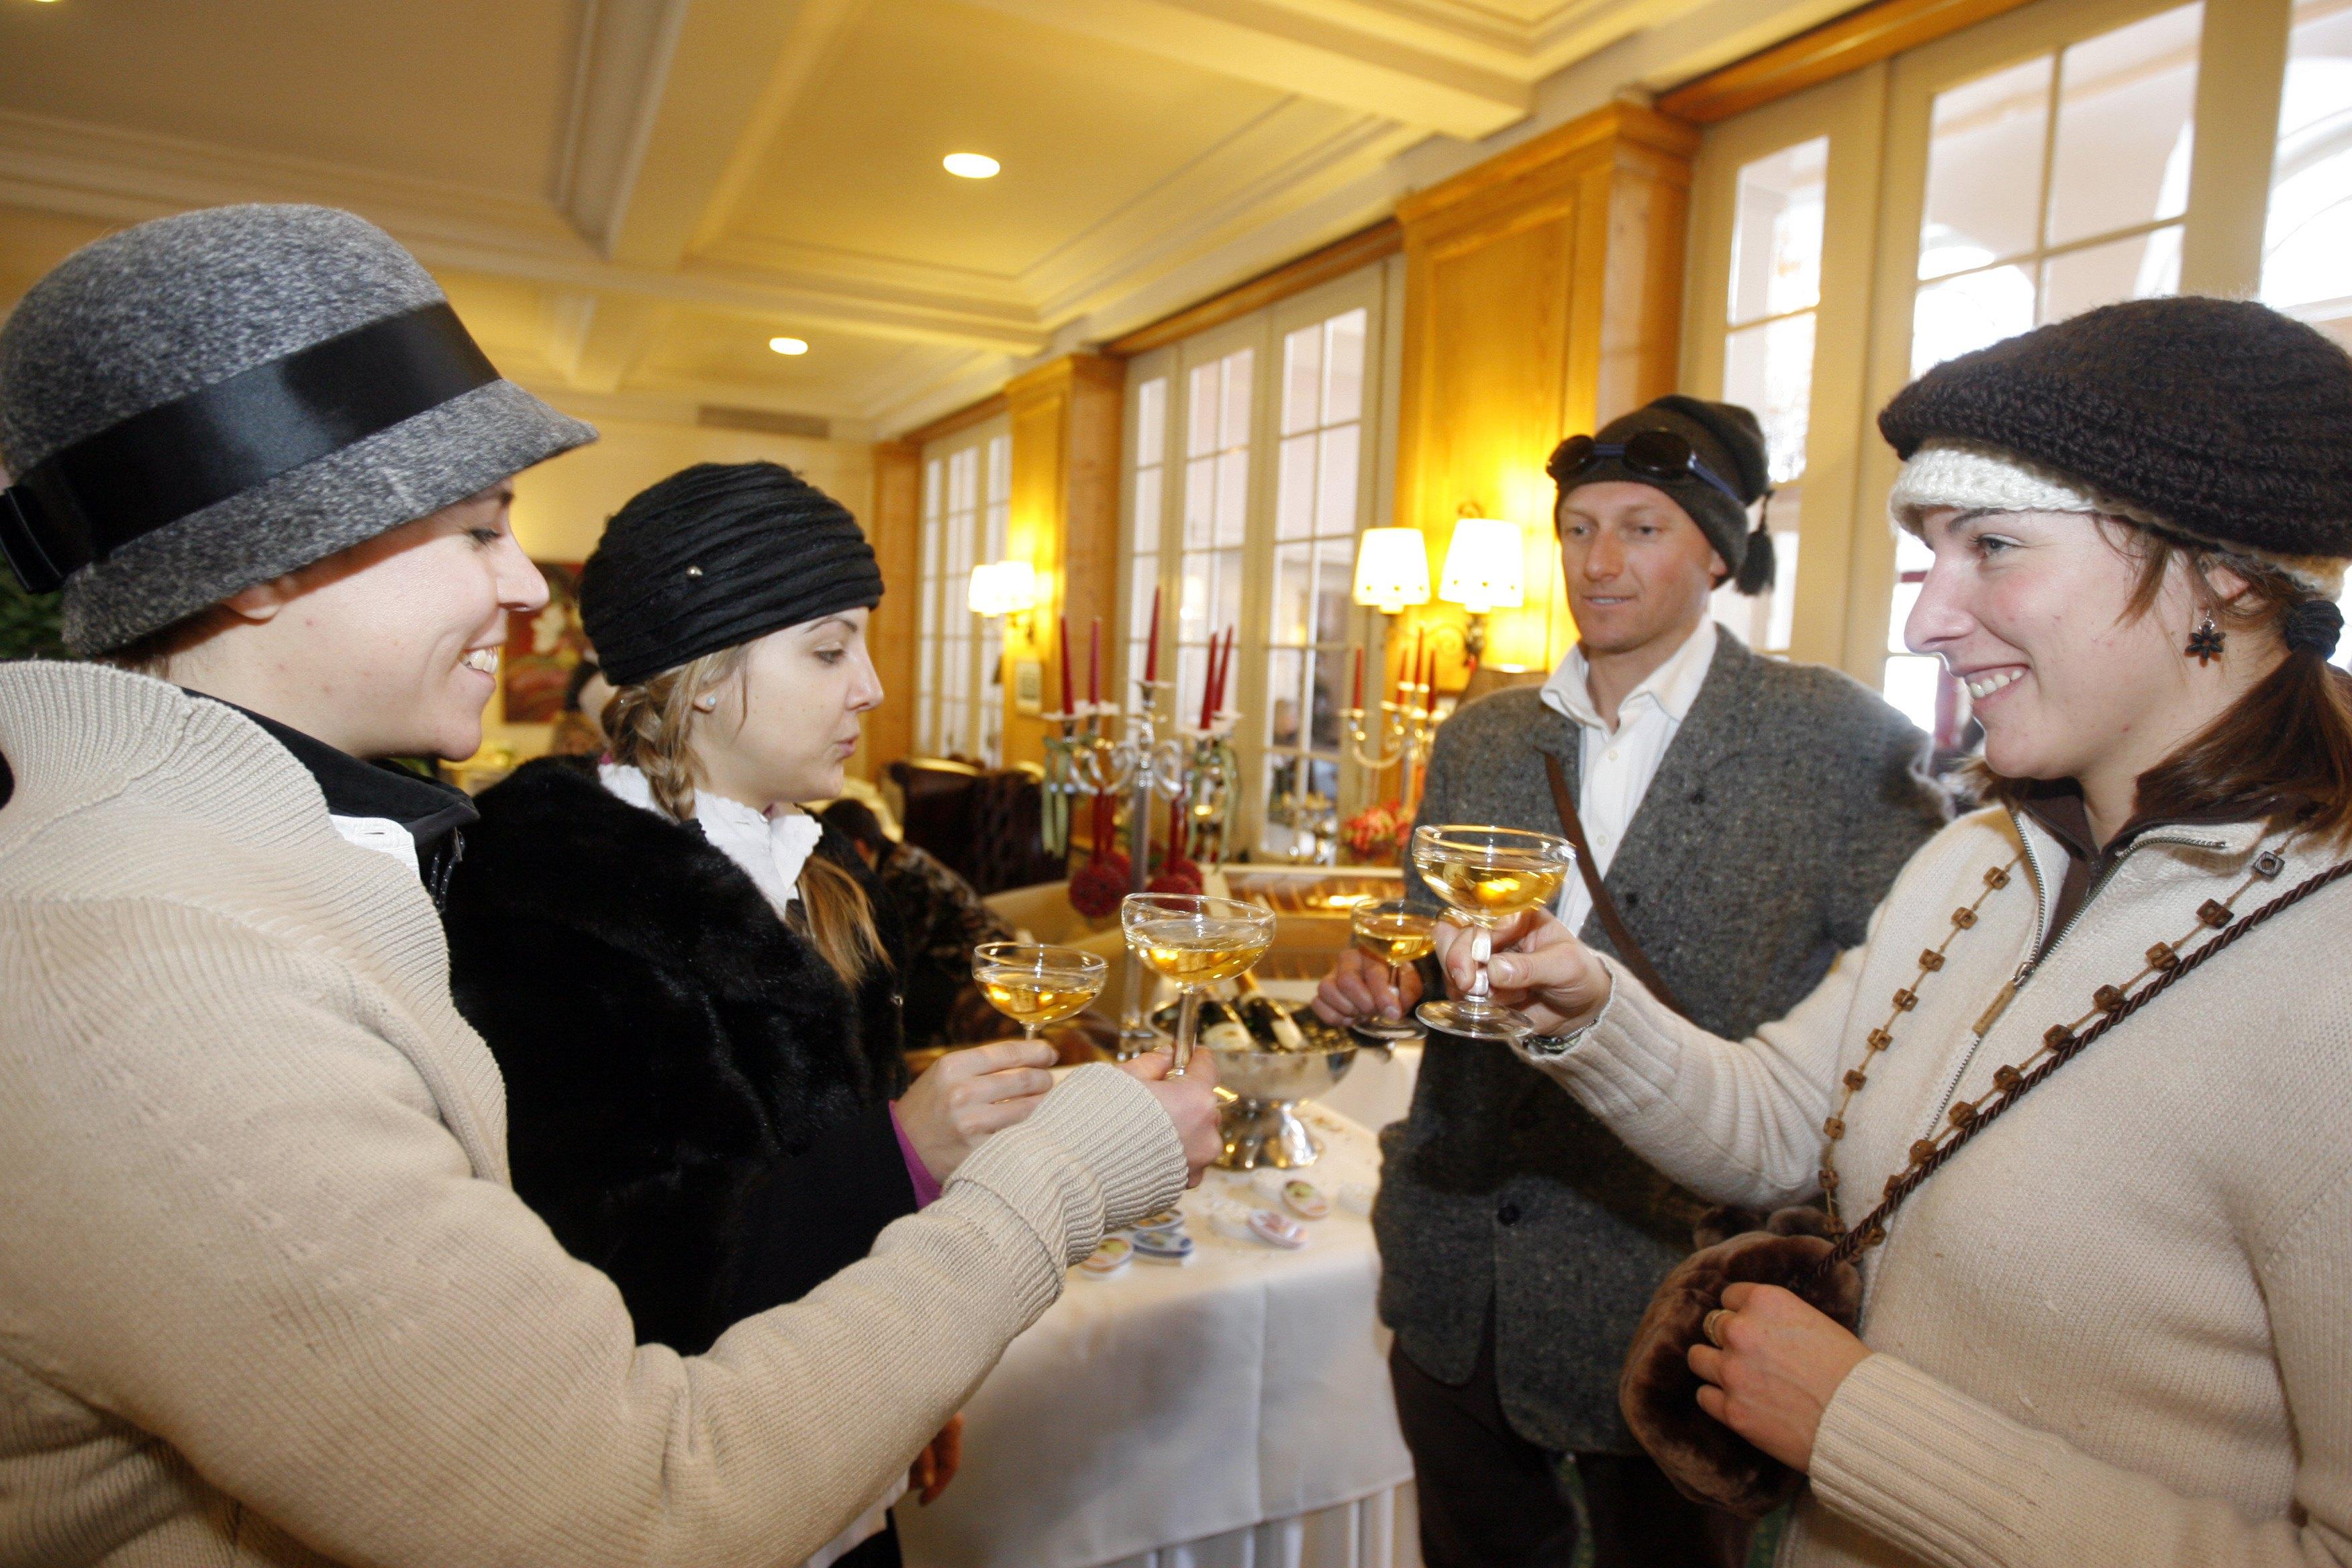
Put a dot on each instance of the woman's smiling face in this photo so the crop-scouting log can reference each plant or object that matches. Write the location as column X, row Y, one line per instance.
column 2032, row 612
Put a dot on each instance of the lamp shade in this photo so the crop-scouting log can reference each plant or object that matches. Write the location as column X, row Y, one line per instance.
column 1003, row 588
column 1392, row 569
column 1484, row 566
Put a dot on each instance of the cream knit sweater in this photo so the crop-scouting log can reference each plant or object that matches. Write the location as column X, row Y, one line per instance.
column 2117, row 1328
column 266, row 1296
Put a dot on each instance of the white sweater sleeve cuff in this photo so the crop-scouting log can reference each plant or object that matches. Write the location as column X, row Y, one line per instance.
column 1920, row 1463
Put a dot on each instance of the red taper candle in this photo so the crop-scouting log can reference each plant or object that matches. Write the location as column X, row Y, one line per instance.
column 1068, row 705
column 1356, row 699
column 1429, row 684
column 1151, row 643
column 1094, row 660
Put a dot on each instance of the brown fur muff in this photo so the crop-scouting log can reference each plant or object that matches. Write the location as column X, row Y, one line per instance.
column 1707, row 1460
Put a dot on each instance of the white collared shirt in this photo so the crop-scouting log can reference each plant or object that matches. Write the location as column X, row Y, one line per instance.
column 771, row 850
column 1615, row 767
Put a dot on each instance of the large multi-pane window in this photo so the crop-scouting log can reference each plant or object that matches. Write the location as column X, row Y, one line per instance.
column 1217, row 397
column 958, row 680
column 1250, row 474
column 2014, row 173
column 2307, row 237
column 1767, row 331
column 1314, row 527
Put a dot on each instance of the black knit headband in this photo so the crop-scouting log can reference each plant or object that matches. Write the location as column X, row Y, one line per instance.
column 716, row 556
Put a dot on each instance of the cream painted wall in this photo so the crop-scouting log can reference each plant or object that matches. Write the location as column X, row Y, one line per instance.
column 561, row 506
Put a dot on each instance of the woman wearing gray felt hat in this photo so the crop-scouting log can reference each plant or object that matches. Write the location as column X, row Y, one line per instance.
column 268, row 1292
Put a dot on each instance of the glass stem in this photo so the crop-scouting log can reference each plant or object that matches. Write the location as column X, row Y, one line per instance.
column 1187, row 1028
column 1482, row 947
column 1396, row 983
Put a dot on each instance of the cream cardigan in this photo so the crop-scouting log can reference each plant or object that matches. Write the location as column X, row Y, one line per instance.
column 2117, row 1328
column 266, row 1296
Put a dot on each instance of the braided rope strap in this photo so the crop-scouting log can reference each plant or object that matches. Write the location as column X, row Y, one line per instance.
column 1872, row 1229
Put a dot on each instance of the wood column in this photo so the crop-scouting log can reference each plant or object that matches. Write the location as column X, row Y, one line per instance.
column 1543, row 296
column 1065, row 417
column 898, row 531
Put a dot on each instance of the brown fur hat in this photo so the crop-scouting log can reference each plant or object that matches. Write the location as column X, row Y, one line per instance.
column 1707, row 1460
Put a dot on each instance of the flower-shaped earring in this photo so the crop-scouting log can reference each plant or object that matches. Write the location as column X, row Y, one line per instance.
column 2205, row 642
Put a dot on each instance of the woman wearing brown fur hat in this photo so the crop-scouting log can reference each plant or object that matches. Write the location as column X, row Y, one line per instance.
column 2085, row 1145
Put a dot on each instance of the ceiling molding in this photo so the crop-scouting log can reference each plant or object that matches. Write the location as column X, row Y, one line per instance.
column 621, row 60
column 1860, row 37
column 1383, row 239
column 1315, row 54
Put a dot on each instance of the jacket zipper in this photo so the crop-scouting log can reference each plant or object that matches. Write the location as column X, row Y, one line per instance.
column 2025, row 971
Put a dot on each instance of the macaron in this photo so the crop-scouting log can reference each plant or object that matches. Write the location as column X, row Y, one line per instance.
column 1171, row 1246
column 1160, row 1221
column 1305, row 1199
column 1111, row 1257
column 1277, row 1230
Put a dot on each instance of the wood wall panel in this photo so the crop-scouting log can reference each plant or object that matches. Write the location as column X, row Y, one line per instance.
column 1543, row 294
column 898, row 526
column 1065, row 417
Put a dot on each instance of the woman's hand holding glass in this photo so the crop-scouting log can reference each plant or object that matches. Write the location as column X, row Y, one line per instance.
column 1190, row 1098
column 1539, row 969
column 968, row 1095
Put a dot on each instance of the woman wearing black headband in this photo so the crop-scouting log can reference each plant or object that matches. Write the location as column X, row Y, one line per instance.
column 683, row 977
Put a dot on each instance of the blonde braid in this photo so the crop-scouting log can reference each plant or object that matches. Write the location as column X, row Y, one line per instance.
column 651, row 729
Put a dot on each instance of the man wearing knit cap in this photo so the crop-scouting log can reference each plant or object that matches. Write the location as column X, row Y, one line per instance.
column 1743, row 817
column 266, row 1293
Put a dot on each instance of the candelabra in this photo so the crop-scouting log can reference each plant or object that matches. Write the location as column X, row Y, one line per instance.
column 1401, row 733
column 1197, row 769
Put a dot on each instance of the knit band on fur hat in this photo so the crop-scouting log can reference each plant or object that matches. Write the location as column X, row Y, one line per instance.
column 2220, row 422
column 715, row 555
column 1722, row 436
column 202, row 403
column 1975, row 477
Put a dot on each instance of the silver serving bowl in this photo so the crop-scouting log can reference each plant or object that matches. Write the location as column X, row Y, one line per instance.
column 1257, row 1090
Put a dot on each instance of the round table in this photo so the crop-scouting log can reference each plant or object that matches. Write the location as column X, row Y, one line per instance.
column 1230, row 1413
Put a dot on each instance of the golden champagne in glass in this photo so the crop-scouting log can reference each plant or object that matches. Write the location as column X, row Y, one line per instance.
column 1195, row 940
column 1487, row 874
column 1397, row 936
column 1035, row 986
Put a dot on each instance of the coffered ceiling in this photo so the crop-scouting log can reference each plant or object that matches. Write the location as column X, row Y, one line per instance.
column 627, row 198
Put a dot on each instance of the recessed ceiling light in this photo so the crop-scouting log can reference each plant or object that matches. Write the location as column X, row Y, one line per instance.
column 787, row 346
column 970, row 166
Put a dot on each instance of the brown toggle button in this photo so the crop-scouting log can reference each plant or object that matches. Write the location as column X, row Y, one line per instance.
column 1879, row 1039
column 2161, row 956
column 1834, row 1127
column 1964, row 917
column 2007, row 1079
column 1930, row 960
column 2214, row 914
column 1906, row 999
column 2108, row 999
column 1997, row 877
column 1922, row 1151
column 1854, row 1077
column 2056, row 1035
column 1963, row 1113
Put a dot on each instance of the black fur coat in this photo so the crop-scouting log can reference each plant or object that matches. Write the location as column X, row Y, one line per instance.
column 695, row 1103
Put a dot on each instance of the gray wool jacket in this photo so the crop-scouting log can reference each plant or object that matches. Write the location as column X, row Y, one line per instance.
column 1778, row 816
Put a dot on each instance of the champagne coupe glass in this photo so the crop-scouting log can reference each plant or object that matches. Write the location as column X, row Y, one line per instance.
column 1396, row 935
column 1035, row 986
column 1487, row 874
column 1195, row 940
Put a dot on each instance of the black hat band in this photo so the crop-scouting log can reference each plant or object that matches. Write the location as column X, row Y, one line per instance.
column 86, row 501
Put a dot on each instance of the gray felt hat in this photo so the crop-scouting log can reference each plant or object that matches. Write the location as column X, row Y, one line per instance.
column 206, row 402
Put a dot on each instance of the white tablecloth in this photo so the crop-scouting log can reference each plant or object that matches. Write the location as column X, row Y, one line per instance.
column 1233, row 1412
column 1378, row 1089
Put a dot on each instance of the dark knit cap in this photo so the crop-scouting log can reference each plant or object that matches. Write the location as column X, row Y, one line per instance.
column 2221, row 419
column 718, row 554
column 1728, row 440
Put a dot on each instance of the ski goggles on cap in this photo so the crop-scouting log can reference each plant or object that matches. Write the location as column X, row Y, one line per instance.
column 1658, row 455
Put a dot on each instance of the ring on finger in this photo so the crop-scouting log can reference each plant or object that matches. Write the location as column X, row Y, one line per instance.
column 1712, row 1326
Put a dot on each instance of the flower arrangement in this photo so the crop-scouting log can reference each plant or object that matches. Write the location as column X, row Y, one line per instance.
column 1377, row 834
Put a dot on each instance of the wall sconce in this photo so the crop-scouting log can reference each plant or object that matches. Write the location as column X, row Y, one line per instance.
column 1005, row 588
column 1392, row 569
column 1484, row 572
